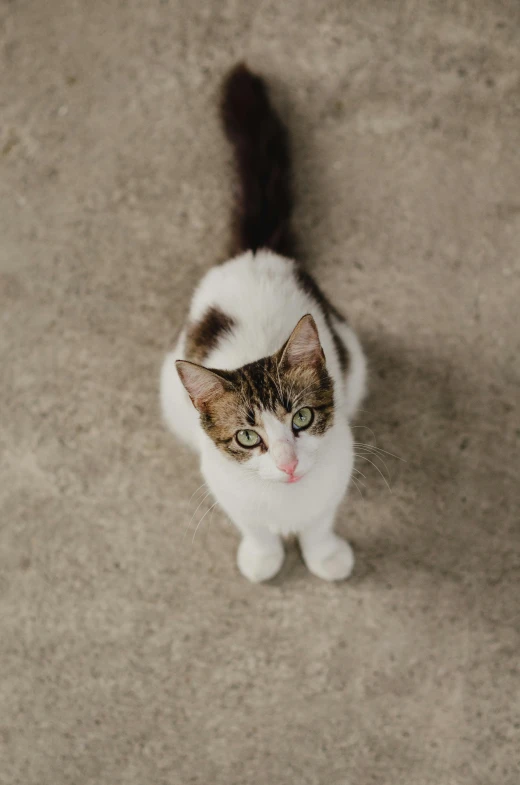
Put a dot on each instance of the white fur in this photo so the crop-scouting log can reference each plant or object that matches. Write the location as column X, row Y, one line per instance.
column 261, row 294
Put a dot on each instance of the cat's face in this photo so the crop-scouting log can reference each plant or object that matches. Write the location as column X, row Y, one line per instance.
column 269, row 416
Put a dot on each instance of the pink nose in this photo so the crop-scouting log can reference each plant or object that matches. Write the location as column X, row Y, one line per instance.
column 289, row 467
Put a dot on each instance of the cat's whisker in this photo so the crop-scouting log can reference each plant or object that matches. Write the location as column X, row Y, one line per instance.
column 364, row 458
column 278, row 374
column 301, row 394
column 363, row 485
column 357, row 487
column 245, row 401
column 278, row 387
column 206, row 492
column 305, row 389
column 204, row 485
column 278, row 391
column 208, row 527
column 359, row 472
column 387, row 471
column 366, row 428
column 290, row 393
column 379, row 449
column 199, row 523
column 188, row 527
column 362, row 451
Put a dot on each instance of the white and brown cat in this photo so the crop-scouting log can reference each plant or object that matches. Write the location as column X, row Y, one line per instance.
column 266, row 373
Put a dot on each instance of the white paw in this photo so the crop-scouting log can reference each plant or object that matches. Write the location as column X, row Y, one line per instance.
column 332, row 559
column 257, row 562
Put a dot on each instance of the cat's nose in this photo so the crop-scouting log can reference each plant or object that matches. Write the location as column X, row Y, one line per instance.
column 289, row 467
column 284, row 456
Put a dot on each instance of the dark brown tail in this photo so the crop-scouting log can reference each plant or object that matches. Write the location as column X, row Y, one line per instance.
column 261, row 146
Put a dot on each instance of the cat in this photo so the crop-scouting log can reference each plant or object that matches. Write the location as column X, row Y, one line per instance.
column 266, row 374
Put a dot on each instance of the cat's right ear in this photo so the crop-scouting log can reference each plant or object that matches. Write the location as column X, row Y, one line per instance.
column 202, row 385
column 303, row 346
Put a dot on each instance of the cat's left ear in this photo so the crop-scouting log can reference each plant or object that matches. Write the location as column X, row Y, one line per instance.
column 202, row 385
column 303, row 346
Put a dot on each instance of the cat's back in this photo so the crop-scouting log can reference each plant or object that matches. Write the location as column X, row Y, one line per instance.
column 245, row 309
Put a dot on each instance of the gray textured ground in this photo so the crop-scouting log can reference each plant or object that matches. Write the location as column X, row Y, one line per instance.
column 130, row 655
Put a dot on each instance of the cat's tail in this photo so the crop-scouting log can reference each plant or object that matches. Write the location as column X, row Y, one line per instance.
column 261, row 146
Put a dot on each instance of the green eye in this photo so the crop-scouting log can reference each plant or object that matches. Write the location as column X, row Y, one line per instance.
column 247, row 438
column 302, row 419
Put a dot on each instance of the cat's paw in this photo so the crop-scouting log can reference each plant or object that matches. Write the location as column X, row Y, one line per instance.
column 259, row 563
column 332, row 560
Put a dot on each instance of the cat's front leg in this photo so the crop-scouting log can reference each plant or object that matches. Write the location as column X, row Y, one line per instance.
column 260, row 554
column 326, row 555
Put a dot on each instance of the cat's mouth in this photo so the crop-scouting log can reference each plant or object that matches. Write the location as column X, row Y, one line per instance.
column 293, row 478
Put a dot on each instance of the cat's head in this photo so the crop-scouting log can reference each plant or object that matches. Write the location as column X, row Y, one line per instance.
column 269, row 416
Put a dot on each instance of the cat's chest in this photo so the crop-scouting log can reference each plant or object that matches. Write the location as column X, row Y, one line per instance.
column 285, row 509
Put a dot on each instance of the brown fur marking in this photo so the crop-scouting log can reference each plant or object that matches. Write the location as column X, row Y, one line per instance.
column 311, row 288
column 204, row 336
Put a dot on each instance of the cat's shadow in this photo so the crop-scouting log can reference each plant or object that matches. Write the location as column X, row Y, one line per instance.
column 416, row 409
column 404, row 513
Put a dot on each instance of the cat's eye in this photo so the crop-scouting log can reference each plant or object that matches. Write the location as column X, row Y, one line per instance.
column 247, row 438
column 302, row 419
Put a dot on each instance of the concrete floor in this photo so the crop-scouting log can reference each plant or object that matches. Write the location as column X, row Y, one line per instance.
column 130, row 654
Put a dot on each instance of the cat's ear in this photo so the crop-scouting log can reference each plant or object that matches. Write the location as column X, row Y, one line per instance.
column 303, row 346
column 202, row 385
